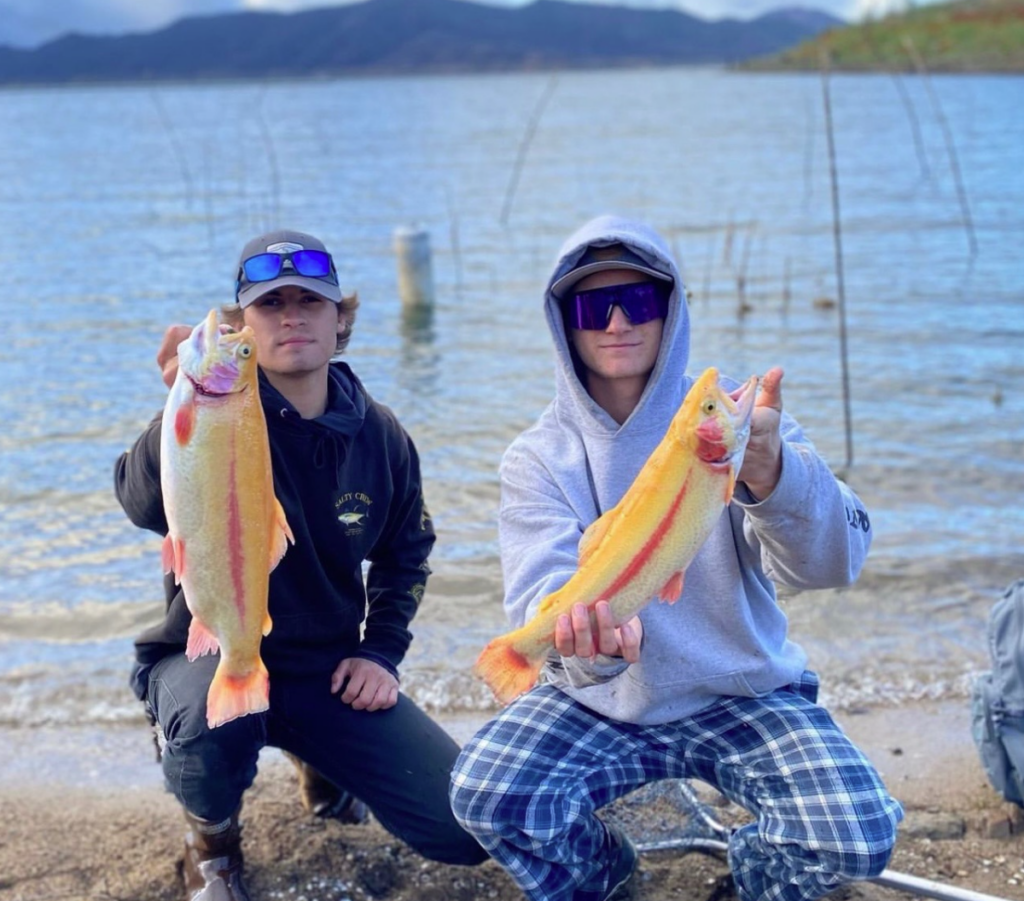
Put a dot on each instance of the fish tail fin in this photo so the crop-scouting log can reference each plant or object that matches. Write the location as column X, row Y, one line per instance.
column 233, row 696
column 507, row 671
column 200, row 640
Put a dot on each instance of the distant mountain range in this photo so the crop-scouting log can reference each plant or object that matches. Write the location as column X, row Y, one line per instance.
column 398, row 36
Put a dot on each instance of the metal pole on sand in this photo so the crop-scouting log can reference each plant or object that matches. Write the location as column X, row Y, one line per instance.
column 715, row 841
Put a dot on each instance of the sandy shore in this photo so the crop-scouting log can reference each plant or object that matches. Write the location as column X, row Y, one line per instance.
column 85, row 817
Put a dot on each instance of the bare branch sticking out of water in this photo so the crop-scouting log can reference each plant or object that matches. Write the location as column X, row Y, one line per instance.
column 208, row 199
column 947, row 134
column 837, row 238
column 809, row 157
column 908, row 105
column 453, row 236
column 730, row 230
column 915, row 126
column 705, row 292
column 275, row 175
column 742, row 306
column 524, row 146
column 787, row 293
column 172, row 137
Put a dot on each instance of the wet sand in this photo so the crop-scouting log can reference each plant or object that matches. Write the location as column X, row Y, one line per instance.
column 85, row 817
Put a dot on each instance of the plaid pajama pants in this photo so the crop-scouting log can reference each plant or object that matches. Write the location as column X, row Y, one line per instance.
column 528, row 785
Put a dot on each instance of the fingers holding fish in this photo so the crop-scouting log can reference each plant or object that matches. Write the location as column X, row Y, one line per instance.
column 573, row 636
column 582, row 634
column 630, row 636
column 771, row 389
column 167, row 355
column 762, row 464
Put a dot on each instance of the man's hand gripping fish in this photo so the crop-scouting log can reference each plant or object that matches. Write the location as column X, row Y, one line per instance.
column 641, row 547
column 227, row 530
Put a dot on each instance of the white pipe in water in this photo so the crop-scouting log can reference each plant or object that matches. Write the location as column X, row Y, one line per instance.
column 415, row 273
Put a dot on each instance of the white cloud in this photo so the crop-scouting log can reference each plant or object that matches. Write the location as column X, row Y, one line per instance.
column 874, row 8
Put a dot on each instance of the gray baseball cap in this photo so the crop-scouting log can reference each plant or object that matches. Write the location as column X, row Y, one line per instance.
column 597, row 259
column 284, row 242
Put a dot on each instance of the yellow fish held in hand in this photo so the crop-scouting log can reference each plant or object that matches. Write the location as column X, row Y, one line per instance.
column 640, row 549
column 227, row 529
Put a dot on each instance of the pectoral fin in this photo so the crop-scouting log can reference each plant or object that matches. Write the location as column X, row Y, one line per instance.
column 281, row 534
column 730, row 486
column 172, row 556
column 673, row 589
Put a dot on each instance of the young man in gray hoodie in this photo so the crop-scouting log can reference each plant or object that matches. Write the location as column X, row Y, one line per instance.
column 708, row 688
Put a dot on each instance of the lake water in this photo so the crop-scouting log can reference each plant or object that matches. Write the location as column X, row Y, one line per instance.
column 125, row 208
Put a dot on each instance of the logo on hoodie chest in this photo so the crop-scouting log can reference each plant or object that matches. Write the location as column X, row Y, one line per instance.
column 353, row 512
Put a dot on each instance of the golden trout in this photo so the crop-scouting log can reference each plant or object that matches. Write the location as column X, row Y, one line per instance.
column 227, row 530
column 641, row 548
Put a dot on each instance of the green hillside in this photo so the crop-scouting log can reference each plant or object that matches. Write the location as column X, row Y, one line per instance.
column 962, row 36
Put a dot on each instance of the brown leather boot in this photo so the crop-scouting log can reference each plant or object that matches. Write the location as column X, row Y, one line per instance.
column 323, row 798
column 213, row 860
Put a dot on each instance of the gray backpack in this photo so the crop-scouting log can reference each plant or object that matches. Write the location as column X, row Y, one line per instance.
column 997, row 698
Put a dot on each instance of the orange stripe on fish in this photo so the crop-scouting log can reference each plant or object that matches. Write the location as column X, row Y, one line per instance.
column 236, row 549
column 641, row 548
column 650, row 547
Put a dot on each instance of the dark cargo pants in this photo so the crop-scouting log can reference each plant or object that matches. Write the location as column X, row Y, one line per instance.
column 398, row 761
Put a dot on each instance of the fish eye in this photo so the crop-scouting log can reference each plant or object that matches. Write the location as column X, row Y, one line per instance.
column 709, row 406
column 244, row 351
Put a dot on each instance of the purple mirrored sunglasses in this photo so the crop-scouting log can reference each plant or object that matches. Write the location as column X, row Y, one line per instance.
column 640, row 301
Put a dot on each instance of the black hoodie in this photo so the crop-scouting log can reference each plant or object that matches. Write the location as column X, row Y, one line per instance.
column 349, row 483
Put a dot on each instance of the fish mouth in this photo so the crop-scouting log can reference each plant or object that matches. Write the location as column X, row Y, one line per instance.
column 719, row 464
column 744, row 398
column 201, row 389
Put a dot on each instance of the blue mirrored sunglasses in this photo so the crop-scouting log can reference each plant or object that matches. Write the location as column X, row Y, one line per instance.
column 266, row 266
column 640, row 301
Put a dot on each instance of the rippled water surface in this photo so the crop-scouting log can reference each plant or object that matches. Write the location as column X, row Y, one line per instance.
column 124, row 209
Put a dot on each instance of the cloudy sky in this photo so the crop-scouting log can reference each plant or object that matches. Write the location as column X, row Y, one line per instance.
column 31, row 22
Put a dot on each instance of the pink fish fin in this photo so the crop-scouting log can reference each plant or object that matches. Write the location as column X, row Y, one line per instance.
column 673, row 589
column 280, row 535
column 185, row 421
column 231, row 696
column 200, row 640
column 267, row 625
column 507, row 671
column 167, row 554
column 592, row 537
column 730, row 486
column 172, row 556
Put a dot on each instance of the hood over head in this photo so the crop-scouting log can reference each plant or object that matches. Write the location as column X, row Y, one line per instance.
column 647, row 252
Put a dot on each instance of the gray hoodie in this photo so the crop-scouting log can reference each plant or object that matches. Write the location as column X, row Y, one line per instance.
column 726, row 636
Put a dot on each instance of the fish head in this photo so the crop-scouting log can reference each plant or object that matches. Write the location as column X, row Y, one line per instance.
column 217, row 360
column 714, row 423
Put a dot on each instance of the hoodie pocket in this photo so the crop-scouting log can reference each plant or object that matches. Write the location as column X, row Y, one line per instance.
column 733, row 683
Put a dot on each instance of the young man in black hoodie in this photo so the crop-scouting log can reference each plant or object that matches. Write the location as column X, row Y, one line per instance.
column 348, row 478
